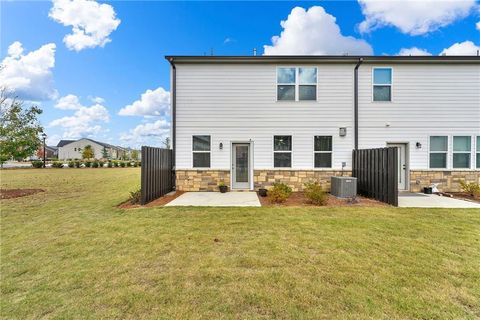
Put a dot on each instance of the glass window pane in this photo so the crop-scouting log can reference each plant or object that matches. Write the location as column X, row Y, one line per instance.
column 461, row 143
column 438, row 143
column 461, row 160
column 382, row 76
column 323, row 143
column 478, row 160
column 286, row 75
column 282, row 159
column 307, row 75
column 307, row 92
column 282, row 143
column 201, row 159
column 382, row 93
column 201, row 143
column 438, row 160
column 323, row 160
column 285, row 92
column 478, row 143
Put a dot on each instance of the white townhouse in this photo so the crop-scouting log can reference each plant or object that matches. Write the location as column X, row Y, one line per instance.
column 72, row 149
column 249, row 121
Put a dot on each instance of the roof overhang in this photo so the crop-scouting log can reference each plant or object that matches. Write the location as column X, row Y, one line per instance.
column 322, row 59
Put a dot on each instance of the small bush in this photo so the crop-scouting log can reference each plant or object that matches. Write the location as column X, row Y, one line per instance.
column 139, row 163
column 71, row 164
column 122, row 164
column 129, row 164
column 109, row 164
column 135, row 163
column 472, row 188
column 315, row 194
column 135, row 196
column 88, row 164
column 115, row 163
column 77, row 164
column 279, row 193
column 37, row 164
column 57, row 164
column 101, row 163
column 95, row 164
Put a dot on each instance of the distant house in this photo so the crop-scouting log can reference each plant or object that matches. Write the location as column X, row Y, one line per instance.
column 72, row 149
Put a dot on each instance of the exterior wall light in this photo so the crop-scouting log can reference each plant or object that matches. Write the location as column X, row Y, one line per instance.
column 220, row 146
column 418, row 145
column 342, row 132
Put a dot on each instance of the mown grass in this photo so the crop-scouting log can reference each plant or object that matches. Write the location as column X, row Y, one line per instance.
column 70, row 253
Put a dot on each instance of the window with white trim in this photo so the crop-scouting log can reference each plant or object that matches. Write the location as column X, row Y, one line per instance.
column 438, row 152
column 382, row 84
column 478, row 152
column 201, row 151
column 462, row 150
column 282, row 151
column 296, row 84
column 323, row 151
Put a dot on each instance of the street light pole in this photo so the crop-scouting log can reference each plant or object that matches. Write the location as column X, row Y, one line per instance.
column 44, row 136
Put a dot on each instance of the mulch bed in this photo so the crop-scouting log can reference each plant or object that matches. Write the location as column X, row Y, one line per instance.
column 298, row 199
column 17, row 193
column 160, row 202
column 464, row 196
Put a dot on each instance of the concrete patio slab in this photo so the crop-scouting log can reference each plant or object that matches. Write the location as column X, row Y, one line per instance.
column 420, row 200
column 217, row 199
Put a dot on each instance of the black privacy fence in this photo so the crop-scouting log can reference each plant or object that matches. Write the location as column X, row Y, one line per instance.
column 157, row 177
column 376, row 171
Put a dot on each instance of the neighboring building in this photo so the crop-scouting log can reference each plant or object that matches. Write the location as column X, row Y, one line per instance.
column 51, row 152
column 251, row 121
column 72, row 149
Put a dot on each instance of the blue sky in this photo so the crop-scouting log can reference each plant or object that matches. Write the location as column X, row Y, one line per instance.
column 122, row 57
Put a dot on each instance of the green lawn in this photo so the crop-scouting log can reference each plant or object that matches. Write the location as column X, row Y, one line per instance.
column 70, row 253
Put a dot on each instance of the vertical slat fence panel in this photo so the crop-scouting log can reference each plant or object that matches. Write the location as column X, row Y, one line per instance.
column 157, row 177
column 376, row 171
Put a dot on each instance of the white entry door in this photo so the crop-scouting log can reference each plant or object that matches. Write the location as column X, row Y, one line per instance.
column 402, row 164
column 240, row 166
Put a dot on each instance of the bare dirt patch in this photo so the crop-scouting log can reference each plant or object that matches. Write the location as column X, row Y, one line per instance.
column 160, row 202
column 298, row 199
column 17, row 193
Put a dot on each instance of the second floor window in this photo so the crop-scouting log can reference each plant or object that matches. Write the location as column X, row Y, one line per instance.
column 297, row 84
column 382, row 84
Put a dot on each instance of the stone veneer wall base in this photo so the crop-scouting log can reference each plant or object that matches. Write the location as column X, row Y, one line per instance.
column 449, row 181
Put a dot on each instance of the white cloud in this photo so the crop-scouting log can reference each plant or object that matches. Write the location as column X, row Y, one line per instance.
column 413, row 51
column 466, row 48
column 92, row 23
column 29, row 75
column 84, row 122
column 68, row 102
column 477, row 25
column 414, row 17
column 153, row 132
column 99, row 100
column 314, row 32
column 152, row 103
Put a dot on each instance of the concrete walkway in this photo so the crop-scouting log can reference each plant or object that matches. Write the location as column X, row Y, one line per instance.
column 420, row 200
column 217, row 199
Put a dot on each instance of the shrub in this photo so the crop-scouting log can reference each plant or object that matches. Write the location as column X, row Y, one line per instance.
column 95, row 164
column 122, row 164
column 115, row 164
column 37, row 164
column 129, row 164
column 88, row 164
column 57, row 164
column 77, row 164
column 279, row 193
column 109, row 164
column 472, row 188
column 135, row 163
column 135, row 196
column 71, row 164
column 101, row 163
column 315, row 194
column 139, row 163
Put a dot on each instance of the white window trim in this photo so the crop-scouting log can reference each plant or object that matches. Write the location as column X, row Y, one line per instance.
column 204, row 151
column 378, row 84
column 315, row 152
column 282, row 151
column 446, row 152
column 297, row 83
column 462, row 152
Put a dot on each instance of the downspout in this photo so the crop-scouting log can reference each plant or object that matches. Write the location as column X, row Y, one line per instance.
column 173, row 101
column 355, row 100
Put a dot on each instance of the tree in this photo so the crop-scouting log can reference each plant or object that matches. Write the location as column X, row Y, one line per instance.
column 104, row 153
column 19, row 129
column 134, row 154
column 166, row 142
column 87, row 152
